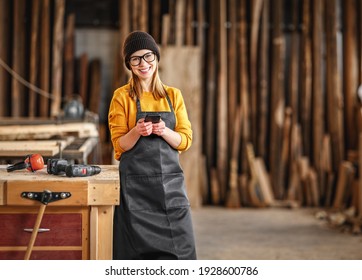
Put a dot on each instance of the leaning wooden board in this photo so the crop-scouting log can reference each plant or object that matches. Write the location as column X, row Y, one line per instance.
column 186, row 78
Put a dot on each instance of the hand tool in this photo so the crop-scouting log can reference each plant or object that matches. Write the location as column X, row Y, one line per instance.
column 45, row 198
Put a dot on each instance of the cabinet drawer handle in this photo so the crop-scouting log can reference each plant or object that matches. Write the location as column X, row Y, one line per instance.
column 40, row 230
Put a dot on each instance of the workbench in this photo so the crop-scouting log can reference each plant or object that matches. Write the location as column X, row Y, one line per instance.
column 78, row 225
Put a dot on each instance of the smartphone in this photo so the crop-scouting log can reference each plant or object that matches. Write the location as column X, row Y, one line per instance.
column 153, row 118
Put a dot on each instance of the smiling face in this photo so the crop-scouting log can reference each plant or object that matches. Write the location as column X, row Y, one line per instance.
column 145, row 69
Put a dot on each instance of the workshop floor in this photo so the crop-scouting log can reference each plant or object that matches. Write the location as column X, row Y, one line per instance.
column 270, row 234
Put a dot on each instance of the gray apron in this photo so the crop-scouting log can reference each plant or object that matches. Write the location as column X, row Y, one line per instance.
column 153, row 220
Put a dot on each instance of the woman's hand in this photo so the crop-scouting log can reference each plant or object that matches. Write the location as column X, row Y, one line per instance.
column 159, row 128
column 144, row 128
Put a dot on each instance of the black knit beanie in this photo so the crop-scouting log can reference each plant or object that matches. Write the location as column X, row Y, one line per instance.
column 138, row 40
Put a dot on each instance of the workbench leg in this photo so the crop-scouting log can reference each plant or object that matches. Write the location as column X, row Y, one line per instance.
column 101, row 232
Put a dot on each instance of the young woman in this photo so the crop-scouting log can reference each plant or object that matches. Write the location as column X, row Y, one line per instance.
column 149, row 126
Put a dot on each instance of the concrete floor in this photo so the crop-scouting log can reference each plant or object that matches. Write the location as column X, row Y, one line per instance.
column 270, row 234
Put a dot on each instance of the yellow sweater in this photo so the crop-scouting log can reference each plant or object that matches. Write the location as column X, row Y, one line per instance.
column 123, row 109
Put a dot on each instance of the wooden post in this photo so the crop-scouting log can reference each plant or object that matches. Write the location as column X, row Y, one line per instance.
column 359, row 11
column 83, row 77
column 44, row 57
column 210, row 101
column 34, row 56
column 57, row 65
column 222, row 124
column 124, row 29
column 255, row 20
column 233, row 197
column 156, row 19
column 189, row 20
column 317, row 85
column 344, row 184
column 233, row 67
column 180, row 19
column 69, row 58
column 293, row 81
column 200, row 23
column 143, row 16
column 277, row 98
column 244, row 87
column 4, row 55
column 263, row 82
column 360, row 176
column 95, row 86
column 134, row 14
column 306, row 82
column 18, row 89
column 350, row 72
column 334, row 92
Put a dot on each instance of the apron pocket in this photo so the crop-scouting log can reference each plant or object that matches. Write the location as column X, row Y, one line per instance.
column 155, row 192
column 144, row 192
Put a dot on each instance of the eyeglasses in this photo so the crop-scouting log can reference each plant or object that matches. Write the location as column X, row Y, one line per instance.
column 136, row 60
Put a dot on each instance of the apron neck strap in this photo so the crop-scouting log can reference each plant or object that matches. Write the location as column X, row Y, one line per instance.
column 138, row 103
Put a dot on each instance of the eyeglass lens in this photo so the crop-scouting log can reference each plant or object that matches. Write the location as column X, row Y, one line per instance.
column 136, row 60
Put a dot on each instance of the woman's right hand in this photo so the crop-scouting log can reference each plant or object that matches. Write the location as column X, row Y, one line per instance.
column 144, row 128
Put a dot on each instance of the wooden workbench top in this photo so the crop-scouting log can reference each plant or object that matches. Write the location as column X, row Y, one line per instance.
column 100, row 189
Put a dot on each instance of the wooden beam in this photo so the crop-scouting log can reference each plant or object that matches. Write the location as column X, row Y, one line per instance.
column 34, row 56
column 293, row 77
column 359, row 200
column 318, row 79
column 344, row 184
column 306, row 81
column 233, row 67
column 44, row 57
column 57, row 65
column 277, row 97
column 4, row 55
column 350, row 72
column 263, row 82
column 180, row 22
column 18, row 55
column 233, row 197
column 144, row 15
column 189, row 23
column 244, row 84
column 83, row 78
column 156, row 20
column 210, row 102
column 69, row 57
column 95, row 86
column 222, row 96
column 256, row 11
column 334, row 91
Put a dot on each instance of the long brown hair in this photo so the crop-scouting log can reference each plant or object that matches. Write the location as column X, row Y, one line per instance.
column 157, row 88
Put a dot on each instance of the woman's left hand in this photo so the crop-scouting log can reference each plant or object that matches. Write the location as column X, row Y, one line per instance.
column 159, row 128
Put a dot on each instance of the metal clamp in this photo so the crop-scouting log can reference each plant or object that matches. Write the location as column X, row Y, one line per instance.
column 46, row 196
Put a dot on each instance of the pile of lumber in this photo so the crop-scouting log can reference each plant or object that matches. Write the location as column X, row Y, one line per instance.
column 281, row 109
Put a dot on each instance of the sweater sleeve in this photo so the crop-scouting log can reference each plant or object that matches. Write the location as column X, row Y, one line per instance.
column 118, row 116
column 183, row 124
